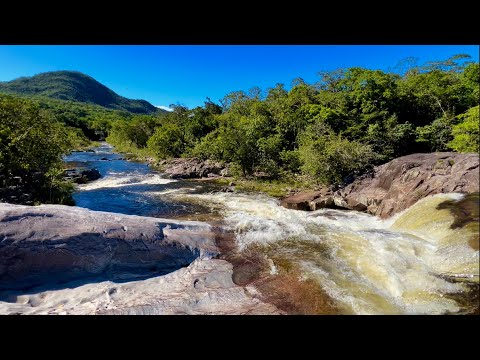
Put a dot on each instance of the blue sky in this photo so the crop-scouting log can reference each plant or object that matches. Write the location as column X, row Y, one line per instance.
column 187, row 74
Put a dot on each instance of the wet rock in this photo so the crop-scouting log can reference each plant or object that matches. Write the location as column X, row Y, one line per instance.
column 321, row 202
column 91, row 174
column 104, row 159
column 228, row 189
column 300, row 201
column 310, row 200
column 82, row 176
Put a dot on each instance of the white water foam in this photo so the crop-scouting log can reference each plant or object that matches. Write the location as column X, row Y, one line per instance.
column 370, row 267
column 115, row 180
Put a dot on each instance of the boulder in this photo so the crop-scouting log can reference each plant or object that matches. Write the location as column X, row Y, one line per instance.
column 300, row 201
column 193, row 168
column 82, row 176
column 398, row 184
column 309, row 200
column 90, row 174
column 322, row 202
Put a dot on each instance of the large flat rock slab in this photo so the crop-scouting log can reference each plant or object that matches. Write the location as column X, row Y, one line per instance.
column 204, row 287
column 55, row 243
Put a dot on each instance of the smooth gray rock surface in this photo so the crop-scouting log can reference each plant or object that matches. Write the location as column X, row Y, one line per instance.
column 55, row 243
column 57, row 259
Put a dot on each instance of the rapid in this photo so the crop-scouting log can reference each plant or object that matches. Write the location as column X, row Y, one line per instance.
column 418, row 262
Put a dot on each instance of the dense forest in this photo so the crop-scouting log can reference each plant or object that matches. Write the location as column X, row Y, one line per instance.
column 329, row 131
column 336, row 128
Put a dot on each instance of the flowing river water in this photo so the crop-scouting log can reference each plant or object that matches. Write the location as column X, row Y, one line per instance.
column 414, row 263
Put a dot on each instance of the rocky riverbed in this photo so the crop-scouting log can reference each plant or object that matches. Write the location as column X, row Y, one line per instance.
column 248, row 255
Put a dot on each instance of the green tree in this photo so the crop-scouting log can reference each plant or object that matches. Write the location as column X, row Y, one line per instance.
column 329, row 158
column 32, row 143
column 466, row 134
column 167, row 141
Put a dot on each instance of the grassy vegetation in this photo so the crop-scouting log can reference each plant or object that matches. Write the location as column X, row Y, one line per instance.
column 272, row 187
column 275, row 188
column 87, row 146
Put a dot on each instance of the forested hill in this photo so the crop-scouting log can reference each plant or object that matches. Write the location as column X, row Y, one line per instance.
column 74, row 86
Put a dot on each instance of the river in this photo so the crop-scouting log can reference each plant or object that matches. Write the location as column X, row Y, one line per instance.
column 409, row 264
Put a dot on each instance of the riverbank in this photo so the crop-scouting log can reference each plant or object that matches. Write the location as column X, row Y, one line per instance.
column 398, row 184
column 386, row 190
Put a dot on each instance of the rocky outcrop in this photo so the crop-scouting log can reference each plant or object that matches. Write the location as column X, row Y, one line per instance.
column 55, row 243
column 82, row 176
column 309, row 200
column 398, row 184
column 194, row 168
column 203, row 287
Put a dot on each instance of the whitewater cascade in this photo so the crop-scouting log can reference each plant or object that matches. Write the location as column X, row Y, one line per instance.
column 369, row 266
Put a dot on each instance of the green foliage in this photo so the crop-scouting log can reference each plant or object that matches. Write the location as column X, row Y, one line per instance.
column 330, row 158
column 348, row 121
column 466, row 134
column 339, row 127
column 436, row 136
column 32, row 143
column 167, row 141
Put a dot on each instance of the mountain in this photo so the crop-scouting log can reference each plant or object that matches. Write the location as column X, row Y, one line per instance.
column 74, row 86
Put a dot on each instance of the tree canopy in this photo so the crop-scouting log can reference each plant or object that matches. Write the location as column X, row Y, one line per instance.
column 329, row 131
